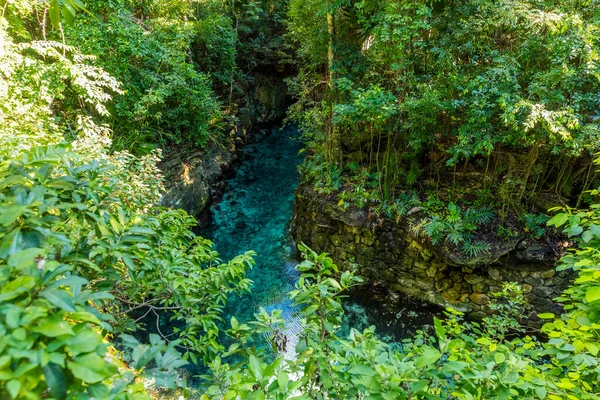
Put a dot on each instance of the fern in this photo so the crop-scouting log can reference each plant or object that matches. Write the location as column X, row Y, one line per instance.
column 479, row 216
column 473, row 249
column 456, row 237
column 454, row 214
column 435, row 229
column 417, row 229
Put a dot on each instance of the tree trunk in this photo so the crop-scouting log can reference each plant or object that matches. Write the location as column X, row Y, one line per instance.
column 333, row 140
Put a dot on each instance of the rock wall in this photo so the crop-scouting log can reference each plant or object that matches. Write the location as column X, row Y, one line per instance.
column 192, row 175
column 394, row 261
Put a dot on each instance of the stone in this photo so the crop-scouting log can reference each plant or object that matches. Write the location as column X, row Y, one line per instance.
column 480, row 288
column 336, row 241
column 443, row 285
column 456, row 276
column 473, row 278
column 479, row 298
column 370, row 272
column 350, row 247
column 368, row 238
column 543, row 291
column 431, row 271
column 495, row 274
column 421, row 265
column 388, row 275
column 534, row 281
column 553, row 282
column 389, row 256
column 439, row 276
column 548, row 274
column 451, row 296
column 421, row 273
column 539, row 303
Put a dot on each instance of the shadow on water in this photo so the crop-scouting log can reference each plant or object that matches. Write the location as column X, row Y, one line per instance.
column 254, row 213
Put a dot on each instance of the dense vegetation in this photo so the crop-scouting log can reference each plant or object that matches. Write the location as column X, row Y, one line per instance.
column 104, row 295
column 474, row 103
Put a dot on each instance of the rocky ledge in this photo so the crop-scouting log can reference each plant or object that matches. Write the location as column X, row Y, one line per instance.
column 193, row 176
column 395, row 262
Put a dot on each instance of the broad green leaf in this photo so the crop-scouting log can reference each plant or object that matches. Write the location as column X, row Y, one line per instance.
column 362, row 370
column 59, row 298
column 546, row 316
column 254, row 366
column 24, row 258
column 592, row 294
column 54, row 13
column 54, row 327
column 84, row 342
column 541, row 392
column 558, row 220
column 10, row 213
column 282, row 379
column 91, row 368
column 499, row 358
column 13, row 387
column 429, row 356
column 55, row 379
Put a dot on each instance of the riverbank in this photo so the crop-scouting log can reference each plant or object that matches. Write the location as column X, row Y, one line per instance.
column 398, row 264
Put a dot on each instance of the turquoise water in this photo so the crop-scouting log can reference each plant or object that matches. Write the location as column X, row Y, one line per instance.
column 254, row 214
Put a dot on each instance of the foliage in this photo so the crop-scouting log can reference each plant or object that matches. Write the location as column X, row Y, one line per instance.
column 84, row 253
column 493, row 358
column 457, row 227
column 168, row 100
column 534, row 224
column 450, row 97
column 89, row 264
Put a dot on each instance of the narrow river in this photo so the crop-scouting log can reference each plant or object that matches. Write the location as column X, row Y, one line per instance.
column 254, row 214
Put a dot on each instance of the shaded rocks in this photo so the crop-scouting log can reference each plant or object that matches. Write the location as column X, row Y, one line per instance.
column 388, row 255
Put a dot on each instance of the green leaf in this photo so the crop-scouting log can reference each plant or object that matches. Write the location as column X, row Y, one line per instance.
column 85, row 317
column 55, row 379
column 55, row 13
column 68, row 13
column 84, row 342
column 592, row 294
column 282, row 379
column 558, row 220
column 59, row 298
column 574, row 230
column 595, row 229
column 54, row 327
column 24, row 258
column 13, row 387
column 91, row 368
column 254, row 366
column 587, row 236
column 499, row 358
column 429, row 356
column 546, row 316
column 9, row 214
column 362, row 370
column 420, row 385
column 541, row 392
